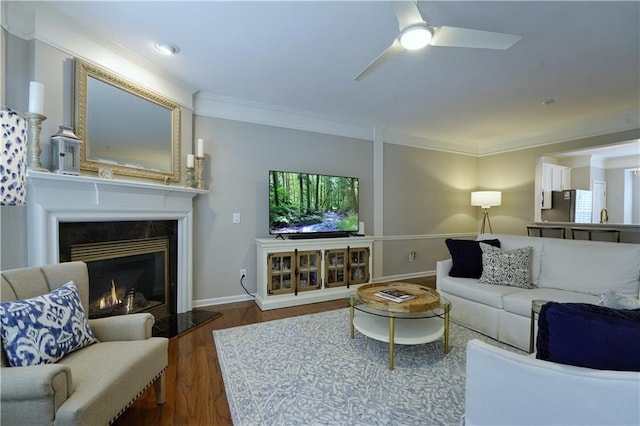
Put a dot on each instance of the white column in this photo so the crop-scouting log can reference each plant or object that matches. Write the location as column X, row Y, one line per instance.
column 378, row 199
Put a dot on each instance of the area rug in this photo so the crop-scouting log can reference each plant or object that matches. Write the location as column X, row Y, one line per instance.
column 307, row 370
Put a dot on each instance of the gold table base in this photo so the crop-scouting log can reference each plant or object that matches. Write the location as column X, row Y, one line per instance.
column 392, row 330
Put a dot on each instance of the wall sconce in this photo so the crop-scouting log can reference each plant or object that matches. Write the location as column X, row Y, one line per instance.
column 486, row 200
column 13, row 159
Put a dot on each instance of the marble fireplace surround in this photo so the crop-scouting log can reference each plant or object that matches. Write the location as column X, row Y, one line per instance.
column 54, row 198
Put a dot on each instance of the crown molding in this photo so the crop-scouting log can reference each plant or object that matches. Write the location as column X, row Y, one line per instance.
column 420, row 140
column 228, row 108
column 632, row 161
column 22, row 22
column 30, row 20
column 253, row 112
column 618, row 121
column 241, row 110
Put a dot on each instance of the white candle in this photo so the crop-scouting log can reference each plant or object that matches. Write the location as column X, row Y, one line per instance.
column 36, row 97
column 200, row 150
column 190, row 160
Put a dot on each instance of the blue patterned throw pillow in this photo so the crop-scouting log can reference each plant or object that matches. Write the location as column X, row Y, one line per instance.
column 43, row 329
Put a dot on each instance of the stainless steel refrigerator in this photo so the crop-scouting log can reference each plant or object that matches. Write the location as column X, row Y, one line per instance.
column 572, row 205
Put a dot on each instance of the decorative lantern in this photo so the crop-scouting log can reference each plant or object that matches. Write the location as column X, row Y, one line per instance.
column 65, row 152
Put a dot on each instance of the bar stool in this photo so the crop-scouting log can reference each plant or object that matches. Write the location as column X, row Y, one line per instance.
column 602, row 234
column 546, row 231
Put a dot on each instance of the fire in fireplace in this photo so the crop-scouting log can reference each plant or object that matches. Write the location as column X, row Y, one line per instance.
column 125, row 275
column 109, row 299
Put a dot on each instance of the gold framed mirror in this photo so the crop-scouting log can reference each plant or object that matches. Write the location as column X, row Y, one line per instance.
column 125, row 128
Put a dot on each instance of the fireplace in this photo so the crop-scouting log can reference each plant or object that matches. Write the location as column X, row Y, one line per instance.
column 131, row 264
column 55, row 201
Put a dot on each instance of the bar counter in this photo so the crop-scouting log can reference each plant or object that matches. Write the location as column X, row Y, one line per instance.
column 629, row 233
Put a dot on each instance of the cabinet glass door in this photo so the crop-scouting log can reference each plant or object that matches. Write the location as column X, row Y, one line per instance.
column 308, row 270
column 335, row 266
column 359, row 265
column 280, row 276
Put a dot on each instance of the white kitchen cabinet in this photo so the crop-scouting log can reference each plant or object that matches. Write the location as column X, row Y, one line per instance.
column 555, row 177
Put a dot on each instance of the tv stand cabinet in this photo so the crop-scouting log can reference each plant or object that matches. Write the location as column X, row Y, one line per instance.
column 298, row 272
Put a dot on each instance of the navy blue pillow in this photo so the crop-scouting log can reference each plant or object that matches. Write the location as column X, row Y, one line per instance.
column 590, row 336
column 467, row 257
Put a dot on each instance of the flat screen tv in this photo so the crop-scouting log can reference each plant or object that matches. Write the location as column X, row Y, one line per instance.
column 307, row 204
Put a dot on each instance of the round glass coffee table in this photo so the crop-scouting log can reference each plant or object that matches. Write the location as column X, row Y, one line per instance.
column 414, row 322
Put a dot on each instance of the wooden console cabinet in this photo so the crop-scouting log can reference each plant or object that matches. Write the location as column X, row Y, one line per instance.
column 297, row 272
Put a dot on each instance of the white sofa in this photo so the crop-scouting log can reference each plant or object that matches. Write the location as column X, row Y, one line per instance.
column 505, row 388
column 562, row 271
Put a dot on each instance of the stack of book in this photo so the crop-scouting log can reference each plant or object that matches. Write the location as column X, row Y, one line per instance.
column 395, row 295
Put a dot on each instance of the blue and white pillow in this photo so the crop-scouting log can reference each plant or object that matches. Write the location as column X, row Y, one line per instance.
column 506, row 267
column 43, row 329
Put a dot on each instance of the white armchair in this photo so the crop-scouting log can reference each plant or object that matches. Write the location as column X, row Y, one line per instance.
column 506, row 388
column 93, row 385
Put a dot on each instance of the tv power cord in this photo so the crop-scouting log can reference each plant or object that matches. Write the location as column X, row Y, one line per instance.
column 243, row 287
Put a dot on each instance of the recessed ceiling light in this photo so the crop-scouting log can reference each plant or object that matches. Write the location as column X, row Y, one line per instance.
column 167, row 48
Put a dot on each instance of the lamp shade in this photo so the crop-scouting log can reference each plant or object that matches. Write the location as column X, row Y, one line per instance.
column 486, row 199
column 13, row 159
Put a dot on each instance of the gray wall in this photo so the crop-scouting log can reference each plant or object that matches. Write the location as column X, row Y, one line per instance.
column 615, row 185
column 581, row 178
column 426, row 199
column 35, row 60
column 239, row 156
column 13, row 220
column 426, row 193
column 615, row 179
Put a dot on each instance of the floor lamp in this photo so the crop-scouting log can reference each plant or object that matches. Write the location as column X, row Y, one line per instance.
column 486, row 200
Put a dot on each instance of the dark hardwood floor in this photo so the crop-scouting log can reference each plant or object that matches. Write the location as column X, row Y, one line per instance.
column 195, row 393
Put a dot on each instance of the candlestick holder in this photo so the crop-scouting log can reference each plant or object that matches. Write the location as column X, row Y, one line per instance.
column 34, row 149
column 191, row 177
column 199, row 172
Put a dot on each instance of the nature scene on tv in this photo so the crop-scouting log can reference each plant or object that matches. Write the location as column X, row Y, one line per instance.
column 309, row 203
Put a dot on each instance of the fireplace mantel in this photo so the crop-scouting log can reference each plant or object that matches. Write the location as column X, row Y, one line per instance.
column 54, row 198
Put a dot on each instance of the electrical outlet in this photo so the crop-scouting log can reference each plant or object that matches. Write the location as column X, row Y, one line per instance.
column 412, row 256
column 243, row 273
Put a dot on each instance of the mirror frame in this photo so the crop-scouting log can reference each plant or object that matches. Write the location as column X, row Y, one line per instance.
column 84, row 71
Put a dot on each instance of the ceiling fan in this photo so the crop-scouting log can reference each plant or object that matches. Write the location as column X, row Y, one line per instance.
column 416, row 34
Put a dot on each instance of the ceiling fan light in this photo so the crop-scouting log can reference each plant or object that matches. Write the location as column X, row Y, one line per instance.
column 415, row 37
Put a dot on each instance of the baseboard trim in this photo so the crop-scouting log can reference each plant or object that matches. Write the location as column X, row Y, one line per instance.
column 401, row 277
column 222, row 300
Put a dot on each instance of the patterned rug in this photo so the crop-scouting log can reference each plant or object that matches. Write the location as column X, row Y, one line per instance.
column 307, row 370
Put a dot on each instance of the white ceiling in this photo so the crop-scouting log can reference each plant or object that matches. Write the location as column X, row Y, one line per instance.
column 301, row 57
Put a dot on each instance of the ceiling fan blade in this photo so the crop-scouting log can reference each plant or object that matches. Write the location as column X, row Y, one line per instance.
column 464, row 37
column 388, row 53
column 407, row 13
